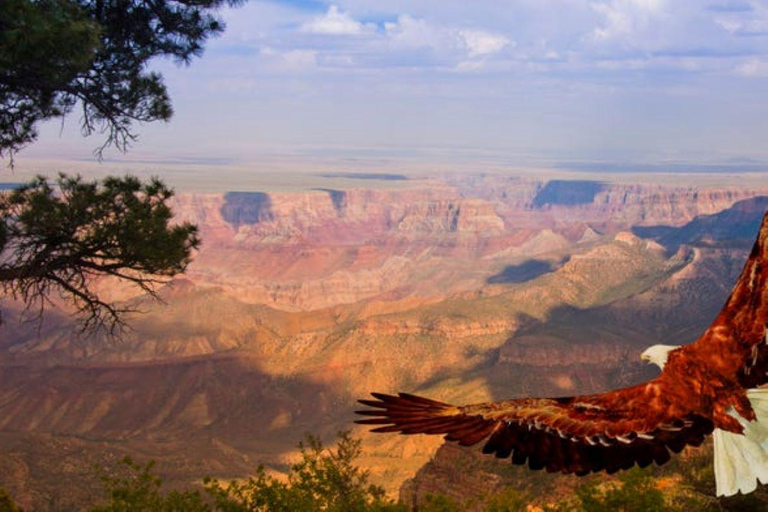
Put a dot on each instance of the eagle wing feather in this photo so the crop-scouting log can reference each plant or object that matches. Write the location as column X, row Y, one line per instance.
column 570, row 435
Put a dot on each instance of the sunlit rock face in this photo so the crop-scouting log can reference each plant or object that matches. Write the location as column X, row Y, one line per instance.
column 461, row 288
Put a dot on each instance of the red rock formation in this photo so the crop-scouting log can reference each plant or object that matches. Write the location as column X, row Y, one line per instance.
column 297, row 304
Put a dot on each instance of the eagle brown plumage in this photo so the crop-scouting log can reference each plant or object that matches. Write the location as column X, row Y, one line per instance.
column 702, row 387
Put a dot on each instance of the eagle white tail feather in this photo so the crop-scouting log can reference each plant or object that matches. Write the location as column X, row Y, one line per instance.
column 742, row 460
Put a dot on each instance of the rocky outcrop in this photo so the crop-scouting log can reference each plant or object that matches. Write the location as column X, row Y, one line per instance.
column 547, row 351
column 462, row 216
column 457, row 473
column 626, row 205
column 604, row 204
column 438, row 326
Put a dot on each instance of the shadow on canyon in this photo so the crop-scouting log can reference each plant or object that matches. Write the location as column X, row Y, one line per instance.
column 733, row 227
column 247, row 208
column 526, row 271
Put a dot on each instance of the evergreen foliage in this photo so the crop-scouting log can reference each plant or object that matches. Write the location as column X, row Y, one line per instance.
column 61, row 238
column 58, row 54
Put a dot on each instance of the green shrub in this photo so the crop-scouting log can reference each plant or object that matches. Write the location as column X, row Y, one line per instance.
column 509, row 500
column 323, row 480
column 137, row 489
column 636, row 491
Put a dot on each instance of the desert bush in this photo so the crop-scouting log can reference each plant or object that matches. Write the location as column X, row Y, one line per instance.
column 324, row 479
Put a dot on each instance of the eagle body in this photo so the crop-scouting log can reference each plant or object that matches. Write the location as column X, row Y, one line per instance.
column 710, row 386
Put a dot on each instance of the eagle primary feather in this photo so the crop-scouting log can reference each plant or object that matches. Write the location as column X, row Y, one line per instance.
column 703, row 387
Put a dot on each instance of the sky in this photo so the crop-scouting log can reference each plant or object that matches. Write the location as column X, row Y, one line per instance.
column 550, row 82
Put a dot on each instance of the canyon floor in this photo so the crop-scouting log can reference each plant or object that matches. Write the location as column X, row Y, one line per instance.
column 461, row 287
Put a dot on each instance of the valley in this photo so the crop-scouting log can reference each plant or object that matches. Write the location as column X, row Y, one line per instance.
column 461, row 287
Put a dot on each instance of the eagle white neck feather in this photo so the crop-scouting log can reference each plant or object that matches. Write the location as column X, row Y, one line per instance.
column 658, row 354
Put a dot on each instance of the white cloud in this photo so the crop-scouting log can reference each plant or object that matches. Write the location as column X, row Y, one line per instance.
column 267, row 51
column 289, row 60
column 739, row 23
column 624, row 17
column 416, row 33
column 470, row 66
column 620, row 35
column 753, row 68
column 300, row 59
column 336, row 22
column 483, row 43
column 412, row 32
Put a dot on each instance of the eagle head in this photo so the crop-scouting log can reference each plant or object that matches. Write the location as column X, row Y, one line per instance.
column 657, row 354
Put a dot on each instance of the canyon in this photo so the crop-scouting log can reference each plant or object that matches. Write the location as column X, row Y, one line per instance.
column 461, row 287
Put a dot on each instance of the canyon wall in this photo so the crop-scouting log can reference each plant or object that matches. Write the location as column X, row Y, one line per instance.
column 297, row 304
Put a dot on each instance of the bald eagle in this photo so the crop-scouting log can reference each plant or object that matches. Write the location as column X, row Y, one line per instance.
column 711, row 386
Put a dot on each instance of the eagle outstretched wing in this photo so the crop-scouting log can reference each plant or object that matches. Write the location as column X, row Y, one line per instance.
column 570, row 435
column 699, row 388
